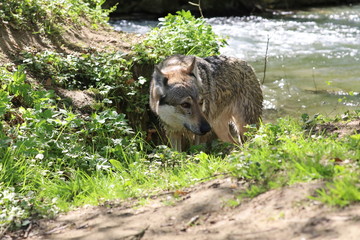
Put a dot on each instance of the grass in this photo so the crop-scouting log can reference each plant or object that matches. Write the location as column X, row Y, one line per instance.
column 299, row 156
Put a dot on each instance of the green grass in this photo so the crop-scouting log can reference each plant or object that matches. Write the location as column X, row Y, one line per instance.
column 285, row 153
column 342, row 191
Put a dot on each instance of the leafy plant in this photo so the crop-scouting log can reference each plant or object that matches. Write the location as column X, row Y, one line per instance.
column 107, row 73
column 42, row 143
column 92, row 70
column 179, row 34
column 50, row 16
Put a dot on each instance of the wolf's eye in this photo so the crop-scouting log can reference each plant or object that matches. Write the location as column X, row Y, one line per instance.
column 192, row 75
column 186, row 105
column 162, row 100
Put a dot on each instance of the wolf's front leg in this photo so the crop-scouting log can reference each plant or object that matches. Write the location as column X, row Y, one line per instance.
column 175, row 141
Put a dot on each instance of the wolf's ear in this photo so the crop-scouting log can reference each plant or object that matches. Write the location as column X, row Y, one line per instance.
column 157, row 92
column 157, row 89
column 192, row 66
column 159, row 77
column 193, row 69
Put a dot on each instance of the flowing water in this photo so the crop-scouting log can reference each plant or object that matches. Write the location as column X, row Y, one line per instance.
column 313, row 57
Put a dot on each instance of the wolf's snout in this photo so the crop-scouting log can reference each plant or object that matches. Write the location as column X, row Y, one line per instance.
column 201, row 129
column 204, row 128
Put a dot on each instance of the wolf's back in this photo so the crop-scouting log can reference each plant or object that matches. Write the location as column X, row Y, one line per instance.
column 228, row 79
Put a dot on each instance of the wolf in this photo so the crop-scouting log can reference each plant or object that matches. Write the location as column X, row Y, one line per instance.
column 199, row 99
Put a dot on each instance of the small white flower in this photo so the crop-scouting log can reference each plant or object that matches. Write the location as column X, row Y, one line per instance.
column 39, row 156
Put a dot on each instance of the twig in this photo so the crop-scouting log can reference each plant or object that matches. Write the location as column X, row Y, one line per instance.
column 139, row 235
column 2, row 233
column 57, row 229
column 313, row 76
column 192, row 221
column 199, row 6
column 266, row 59
column 26, row 234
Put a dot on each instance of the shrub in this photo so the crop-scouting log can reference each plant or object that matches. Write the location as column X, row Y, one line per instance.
column 179, row 34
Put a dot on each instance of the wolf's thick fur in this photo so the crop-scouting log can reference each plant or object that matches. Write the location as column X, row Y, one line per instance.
column 193, row 96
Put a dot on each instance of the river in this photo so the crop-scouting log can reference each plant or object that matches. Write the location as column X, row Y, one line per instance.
column 313, row 57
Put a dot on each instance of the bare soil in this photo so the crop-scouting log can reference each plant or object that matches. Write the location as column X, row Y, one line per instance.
column 202, row 211
column 72, row 40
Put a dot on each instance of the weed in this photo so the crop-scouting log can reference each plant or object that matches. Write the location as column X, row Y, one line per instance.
column 92, row 70
column 108, row 74
column 50, row 150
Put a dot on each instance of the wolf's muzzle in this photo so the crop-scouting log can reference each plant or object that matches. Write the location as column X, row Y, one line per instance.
column 204, row 128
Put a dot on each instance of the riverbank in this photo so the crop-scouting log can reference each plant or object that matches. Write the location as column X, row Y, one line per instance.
column 57, row 156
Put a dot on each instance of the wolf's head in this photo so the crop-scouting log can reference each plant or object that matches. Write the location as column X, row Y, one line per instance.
column 174, row 96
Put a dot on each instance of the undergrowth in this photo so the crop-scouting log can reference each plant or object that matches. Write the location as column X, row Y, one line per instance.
column 106, row 74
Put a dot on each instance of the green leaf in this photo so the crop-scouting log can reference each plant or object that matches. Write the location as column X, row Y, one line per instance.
column 116, row 164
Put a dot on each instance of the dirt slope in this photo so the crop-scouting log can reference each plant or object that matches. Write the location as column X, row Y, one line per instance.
column 203, row 212
column 13, row 41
